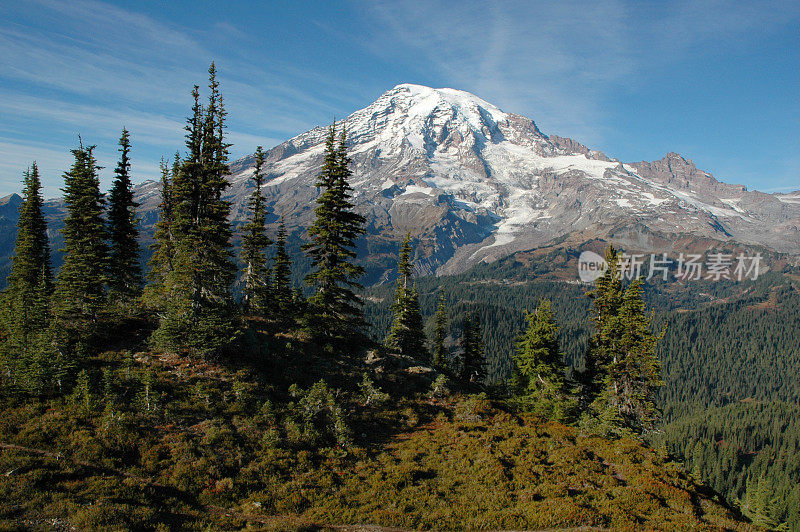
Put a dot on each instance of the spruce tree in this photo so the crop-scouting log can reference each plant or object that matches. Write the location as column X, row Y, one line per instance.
column 31, row 272
column 161, row 262
column 25, row 300
column 198, row 313
column 606, row 301
column 406, row 335
column 416, row 341
column 627, row 403
column 473, row 367
column 335, row 310
column 282, row 290
column 538, row 377
column 124, row 271
column 255, row 275
column 440, row 322
column 79, row 294
column 623, row 373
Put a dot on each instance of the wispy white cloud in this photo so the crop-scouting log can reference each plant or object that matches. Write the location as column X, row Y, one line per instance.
column 90, row 67
column 15, row 157
column 686, row 26
column 559, row 62
column 550, row 61
column 150, row 128
column 94, row 21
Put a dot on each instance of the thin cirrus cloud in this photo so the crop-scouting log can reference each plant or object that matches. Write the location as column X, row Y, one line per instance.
column 16, row 157
column 73, row 72
column 557, row 60
column 547, row 60
column 92, row 89
column 154, row 129
column 68, row 68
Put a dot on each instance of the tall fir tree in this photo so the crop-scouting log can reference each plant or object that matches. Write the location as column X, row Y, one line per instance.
column 255, row 274
column 440, row 323
column 406, row 335
column 626, row 405
column 335, row 310
column 473, row 361
column 161, row 262
column 538, row 378
column 606, row 299
column 124, row 271
column 197, row 317
column 623, row 372
column 282, row 290
column 25, row 300
column 79, row 294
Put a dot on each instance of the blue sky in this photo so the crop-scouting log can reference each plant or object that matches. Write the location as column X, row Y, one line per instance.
column 718, row 82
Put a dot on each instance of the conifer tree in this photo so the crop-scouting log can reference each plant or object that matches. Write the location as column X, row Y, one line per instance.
column 625, row 372
column 161, row 262
column 627, row 403
column 25, row 300
column 300, row 304
column 538, row 375
column 282, row 290
column 406, row 335
column 335, row 310
column 255, row 275
column 606, row 301
column 80, row 289
column 198, row 312
column 440, row 322
column 473, row 367
column 416, row 342
column 124, row 271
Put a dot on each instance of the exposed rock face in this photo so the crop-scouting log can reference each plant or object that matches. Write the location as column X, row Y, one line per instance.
column 473, row 183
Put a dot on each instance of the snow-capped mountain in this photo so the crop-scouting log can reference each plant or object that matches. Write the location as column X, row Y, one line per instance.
column 473, row 183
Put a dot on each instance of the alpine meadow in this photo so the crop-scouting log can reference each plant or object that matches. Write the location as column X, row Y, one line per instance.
column 426, row 315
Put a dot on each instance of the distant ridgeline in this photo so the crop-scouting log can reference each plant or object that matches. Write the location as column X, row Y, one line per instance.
column 724, row 341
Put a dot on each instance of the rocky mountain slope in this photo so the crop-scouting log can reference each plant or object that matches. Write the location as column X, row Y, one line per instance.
column 474, row 183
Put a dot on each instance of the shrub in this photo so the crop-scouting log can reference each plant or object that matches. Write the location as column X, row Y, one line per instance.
column 371, row 394
column 82, row 393
column 439, row 388
column 316, row 416
column 473, row 408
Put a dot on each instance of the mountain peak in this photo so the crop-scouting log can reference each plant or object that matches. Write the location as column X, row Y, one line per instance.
column 13, row 200
column 475, row 183
column 415, row 118
column 453, row 96
column 674, row 157
column 420, row 101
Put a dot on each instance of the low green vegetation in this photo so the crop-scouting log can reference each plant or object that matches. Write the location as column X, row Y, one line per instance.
column 147, row 441
column 484, row 469
column 729, row 356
